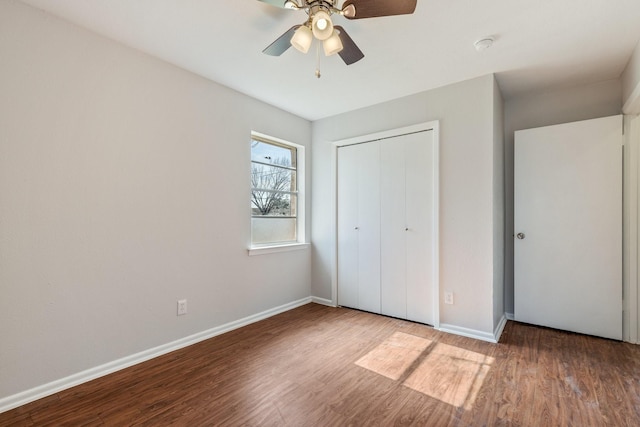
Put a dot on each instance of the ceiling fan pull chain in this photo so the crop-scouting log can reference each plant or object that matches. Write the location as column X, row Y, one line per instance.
column 318, row 60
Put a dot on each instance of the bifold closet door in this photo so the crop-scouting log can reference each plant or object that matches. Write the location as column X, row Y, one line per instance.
column 359, row 226
column 347, row 222
column 421, row 206
column 393, row 237
column 407, row 197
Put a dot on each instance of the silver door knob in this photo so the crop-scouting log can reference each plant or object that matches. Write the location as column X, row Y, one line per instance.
column 356, row 228
column 520, row 236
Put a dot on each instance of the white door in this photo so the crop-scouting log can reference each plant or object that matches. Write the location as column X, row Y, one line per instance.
column 421, row 223
column 359, row 226
column 393, row 237
column 347, row 227
column 568, row 226
column 408, row 179
column 369, row 227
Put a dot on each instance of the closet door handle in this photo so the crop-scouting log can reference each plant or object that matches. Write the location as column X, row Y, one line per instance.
column 356, row 228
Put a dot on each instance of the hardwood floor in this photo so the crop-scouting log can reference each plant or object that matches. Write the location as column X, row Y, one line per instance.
column 321, row 366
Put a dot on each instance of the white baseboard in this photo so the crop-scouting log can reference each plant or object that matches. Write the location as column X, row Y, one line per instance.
column 500, row 327
column 510, row 316
column 472, row 333
column 53, row 387
column 323, row 301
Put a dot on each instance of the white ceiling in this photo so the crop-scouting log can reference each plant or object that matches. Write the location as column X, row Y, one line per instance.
column 540, row 44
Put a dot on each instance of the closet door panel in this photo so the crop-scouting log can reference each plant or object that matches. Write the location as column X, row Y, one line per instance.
column 369, row 226
column 348, row 160
column 393, row 268
column 420, row 214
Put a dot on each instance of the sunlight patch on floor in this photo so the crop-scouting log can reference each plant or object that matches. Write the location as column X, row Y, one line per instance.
column 450, row 374
column 393, row 357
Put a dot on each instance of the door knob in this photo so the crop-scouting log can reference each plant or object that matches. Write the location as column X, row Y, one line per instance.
column 356, row 228
column 520, row 236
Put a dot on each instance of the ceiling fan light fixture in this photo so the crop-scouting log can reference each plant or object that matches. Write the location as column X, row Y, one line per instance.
column 322, row 25
column 302, row 39
column 332, row 45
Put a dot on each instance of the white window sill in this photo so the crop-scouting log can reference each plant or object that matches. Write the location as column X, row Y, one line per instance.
column 263, row 250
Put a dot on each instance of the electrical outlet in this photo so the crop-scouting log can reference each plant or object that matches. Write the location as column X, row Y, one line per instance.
column 448, row 297
column 182, row 307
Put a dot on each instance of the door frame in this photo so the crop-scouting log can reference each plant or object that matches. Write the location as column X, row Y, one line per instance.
column 391, row 133
column 631, row 230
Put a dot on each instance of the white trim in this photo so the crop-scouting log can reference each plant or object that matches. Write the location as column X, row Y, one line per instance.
column 263, row 250
column 391, row 133
column 497, row 332
column 334, row 224
column 435, row 126
column 510, row 316
column 421, row 127
column 323, row 301
column 630, row 231
column 53, row 387
column 632, row 295
column 469, row 333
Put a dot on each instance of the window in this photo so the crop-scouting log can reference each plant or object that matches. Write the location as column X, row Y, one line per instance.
column 275, row 194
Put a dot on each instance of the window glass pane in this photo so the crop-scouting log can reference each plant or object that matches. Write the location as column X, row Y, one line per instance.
column 272, row 178
column 273, row 154
column 273, row 230
column 267, row 203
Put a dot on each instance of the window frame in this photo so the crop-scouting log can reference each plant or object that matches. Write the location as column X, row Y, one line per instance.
column 300, row 242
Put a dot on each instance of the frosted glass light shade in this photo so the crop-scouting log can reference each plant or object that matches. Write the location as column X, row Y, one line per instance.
column 332, row 45
column 322, row 25
column 302, row 39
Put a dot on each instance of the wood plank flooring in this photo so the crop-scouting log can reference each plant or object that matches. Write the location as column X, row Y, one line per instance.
column 322, row 366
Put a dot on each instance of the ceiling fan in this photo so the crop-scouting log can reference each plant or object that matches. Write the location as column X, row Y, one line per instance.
column 334, row 38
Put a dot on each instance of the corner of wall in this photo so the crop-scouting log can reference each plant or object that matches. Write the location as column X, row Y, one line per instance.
column 631, row 84
column 499, row 205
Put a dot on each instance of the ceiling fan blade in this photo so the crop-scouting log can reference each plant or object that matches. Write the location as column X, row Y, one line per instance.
column 282, row 43
column 276, row 3
column 377, row 8
column 350, row 53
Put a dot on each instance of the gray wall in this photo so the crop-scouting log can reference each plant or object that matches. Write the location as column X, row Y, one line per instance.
column 466, row 113
column 545, row 109
column 124, row 186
